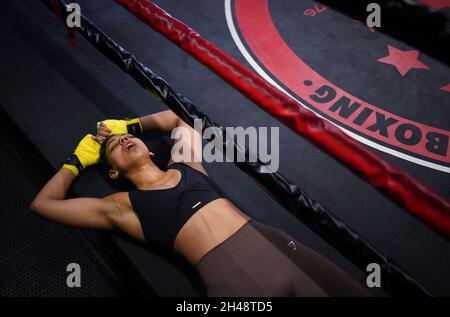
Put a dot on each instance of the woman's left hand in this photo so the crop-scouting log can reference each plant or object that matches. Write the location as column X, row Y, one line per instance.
column 112, row 126
column 103, row 132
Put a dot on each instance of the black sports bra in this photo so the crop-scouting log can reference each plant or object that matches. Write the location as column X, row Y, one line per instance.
column 163, row 212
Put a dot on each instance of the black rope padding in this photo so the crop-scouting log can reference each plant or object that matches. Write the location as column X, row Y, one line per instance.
column 289, row 195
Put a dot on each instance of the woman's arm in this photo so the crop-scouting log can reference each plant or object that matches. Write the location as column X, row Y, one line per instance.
column 185, row 135
column 165, row 121
column 81, row 212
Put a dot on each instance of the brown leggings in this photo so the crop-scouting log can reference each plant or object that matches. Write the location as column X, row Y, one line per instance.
column 259, row 260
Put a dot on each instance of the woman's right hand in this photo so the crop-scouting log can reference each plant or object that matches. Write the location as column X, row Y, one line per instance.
column 86, row 154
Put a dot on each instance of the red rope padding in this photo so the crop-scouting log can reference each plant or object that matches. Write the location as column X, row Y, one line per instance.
column 390, row 180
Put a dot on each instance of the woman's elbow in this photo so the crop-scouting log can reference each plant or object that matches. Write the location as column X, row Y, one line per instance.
column 36, row 205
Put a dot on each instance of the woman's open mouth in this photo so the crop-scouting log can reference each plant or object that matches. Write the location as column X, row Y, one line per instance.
column 129, row 146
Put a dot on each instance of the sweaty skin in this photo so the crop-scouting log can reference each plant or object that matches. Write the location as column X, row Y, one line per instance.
column 254, row 262
column 129, row 157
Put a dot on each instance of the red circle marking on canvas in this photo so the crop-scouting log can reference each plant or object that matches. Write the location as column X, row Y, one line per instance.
column 263, row 38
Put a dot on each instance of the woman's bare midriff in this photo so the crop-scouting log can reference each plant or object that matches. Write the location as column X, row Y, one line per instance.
column 207, row 228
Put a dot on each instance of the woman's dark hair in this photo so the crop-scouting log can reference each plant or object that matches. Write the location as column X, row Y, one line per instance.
column 104, row 164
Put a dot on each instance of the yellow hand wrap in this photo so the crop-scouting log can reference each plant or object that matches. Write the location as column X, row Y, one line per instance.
column 86, row 154
column 132, row 126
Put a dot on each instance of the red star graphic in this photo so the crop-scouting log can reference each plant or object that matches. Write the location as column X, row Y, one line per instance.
column 436, row 4
column 446, row 88
column 404, row 61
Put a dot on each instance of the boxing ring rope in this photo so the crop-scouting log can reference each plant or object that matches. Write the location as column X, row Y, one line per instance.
column 394, row 183
column 289, row 195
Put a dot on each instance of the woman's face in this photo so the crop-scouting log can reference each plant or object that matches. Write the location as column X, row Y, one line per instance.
column 125, row 152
